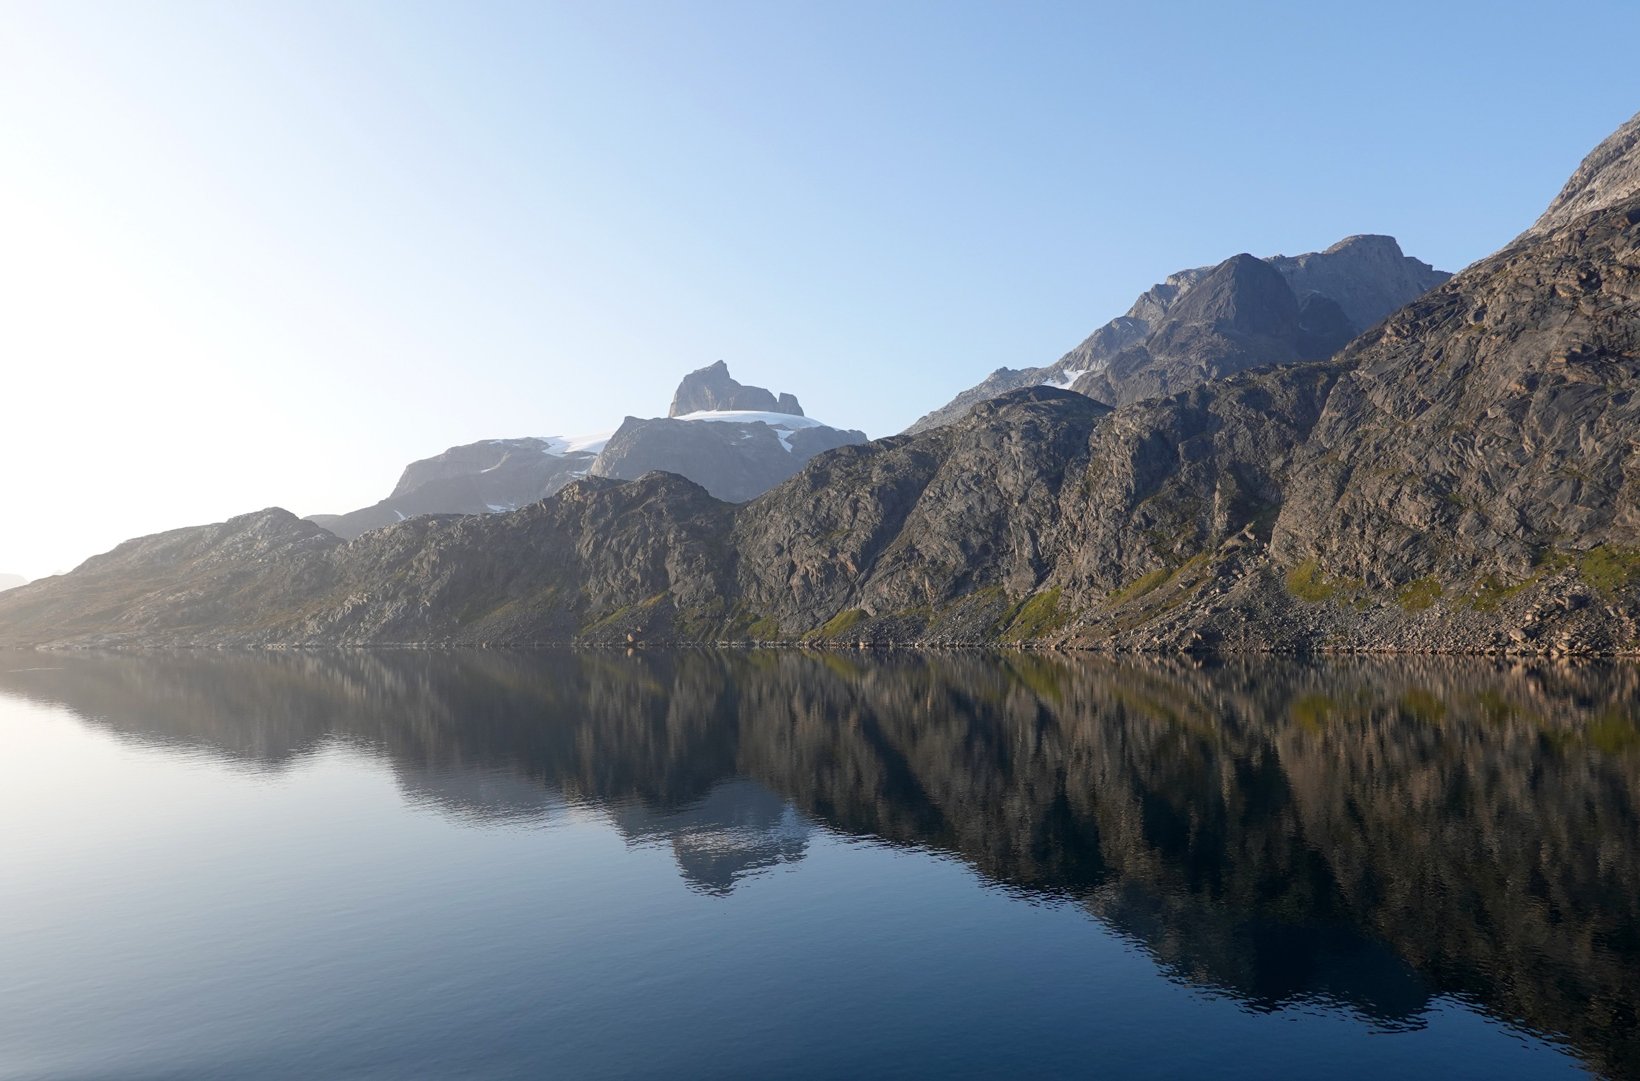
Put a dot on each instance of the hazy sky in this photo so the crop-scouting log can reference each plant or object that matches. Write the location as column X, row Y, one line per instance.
column 257, row 254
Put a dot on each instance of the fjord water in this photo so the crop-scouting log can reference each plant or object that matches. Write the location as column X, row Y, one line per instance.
column 772, row 865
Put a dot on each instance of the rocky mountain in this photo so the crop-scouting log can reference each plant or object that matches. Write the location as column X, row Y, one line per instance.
column 735, row 454
column 478, row 478
column 11, row 581
column 1174, row 337
column 1463, row 477
column 712, row 389
column 737, row 441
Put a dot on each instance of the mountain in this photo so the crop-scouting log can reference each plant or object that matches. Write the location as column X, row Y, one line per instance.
column 737, row 441
column 735, row 454
column 712, row 389
column 1173, row 337
column 1463, row 477
column 478, row 478
column 11, row 581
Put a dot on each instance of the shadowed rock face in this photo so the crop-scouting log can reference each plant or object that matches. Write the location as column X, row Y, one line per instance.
column 1364, row 833
column 1339, row 292
column 712, row 388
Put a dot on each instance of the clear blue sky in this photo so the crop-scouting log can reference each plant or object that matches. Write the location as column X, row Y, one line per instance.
column 269, row 253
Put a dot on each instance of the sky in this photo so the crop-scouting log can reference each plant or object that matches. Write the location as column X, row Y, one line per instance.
column 258, row 254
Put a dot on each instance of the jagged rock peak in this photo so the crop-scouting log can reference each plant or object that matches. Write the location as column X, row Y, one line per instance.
column 1609, row 175
column 713, row 388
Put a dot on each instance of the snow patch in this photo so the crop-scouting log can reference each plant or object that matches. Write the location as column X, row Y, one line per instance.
column 1065, row 379
column 560, row 445
column 784, row 424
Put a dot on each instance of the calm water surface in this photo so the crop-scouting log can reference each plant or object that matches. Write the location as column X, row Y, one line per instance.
column 780, row 865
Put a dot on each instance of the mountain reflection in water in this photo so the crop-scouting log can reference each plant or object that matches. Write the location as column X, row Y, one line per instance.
column 1367, row 834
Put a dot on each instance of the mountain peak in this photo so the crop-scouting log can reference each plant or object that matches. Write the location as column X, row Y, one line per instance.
column 712, row 389
column 1376, row 243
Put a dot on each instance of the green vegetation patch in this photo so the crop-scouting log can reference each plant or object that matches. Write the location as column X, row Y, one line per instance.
column 1609, row 568
column 1491, row 592
column 1308, row 582
column 766, row 629
column 1037, row 616
column 841, row 623
column 1141, row 585
column 1419, row 594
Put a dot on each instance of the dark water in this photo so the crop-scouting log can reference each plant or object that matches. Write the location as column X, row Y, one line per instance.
column 785, row 865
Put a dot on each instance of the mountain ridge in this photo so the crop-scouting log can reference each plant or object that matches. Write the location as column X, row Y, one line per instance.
column 1463, row 477
column 1366, row 276
column 737, row 440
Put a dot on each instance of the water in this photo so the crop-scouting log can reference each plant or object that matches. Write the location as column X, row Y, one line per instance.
column 779, row 865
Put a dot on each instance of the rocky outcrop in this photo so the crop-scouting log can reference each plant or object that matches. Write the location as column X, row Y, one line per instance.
column 1164, row 347
column 713, row 389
